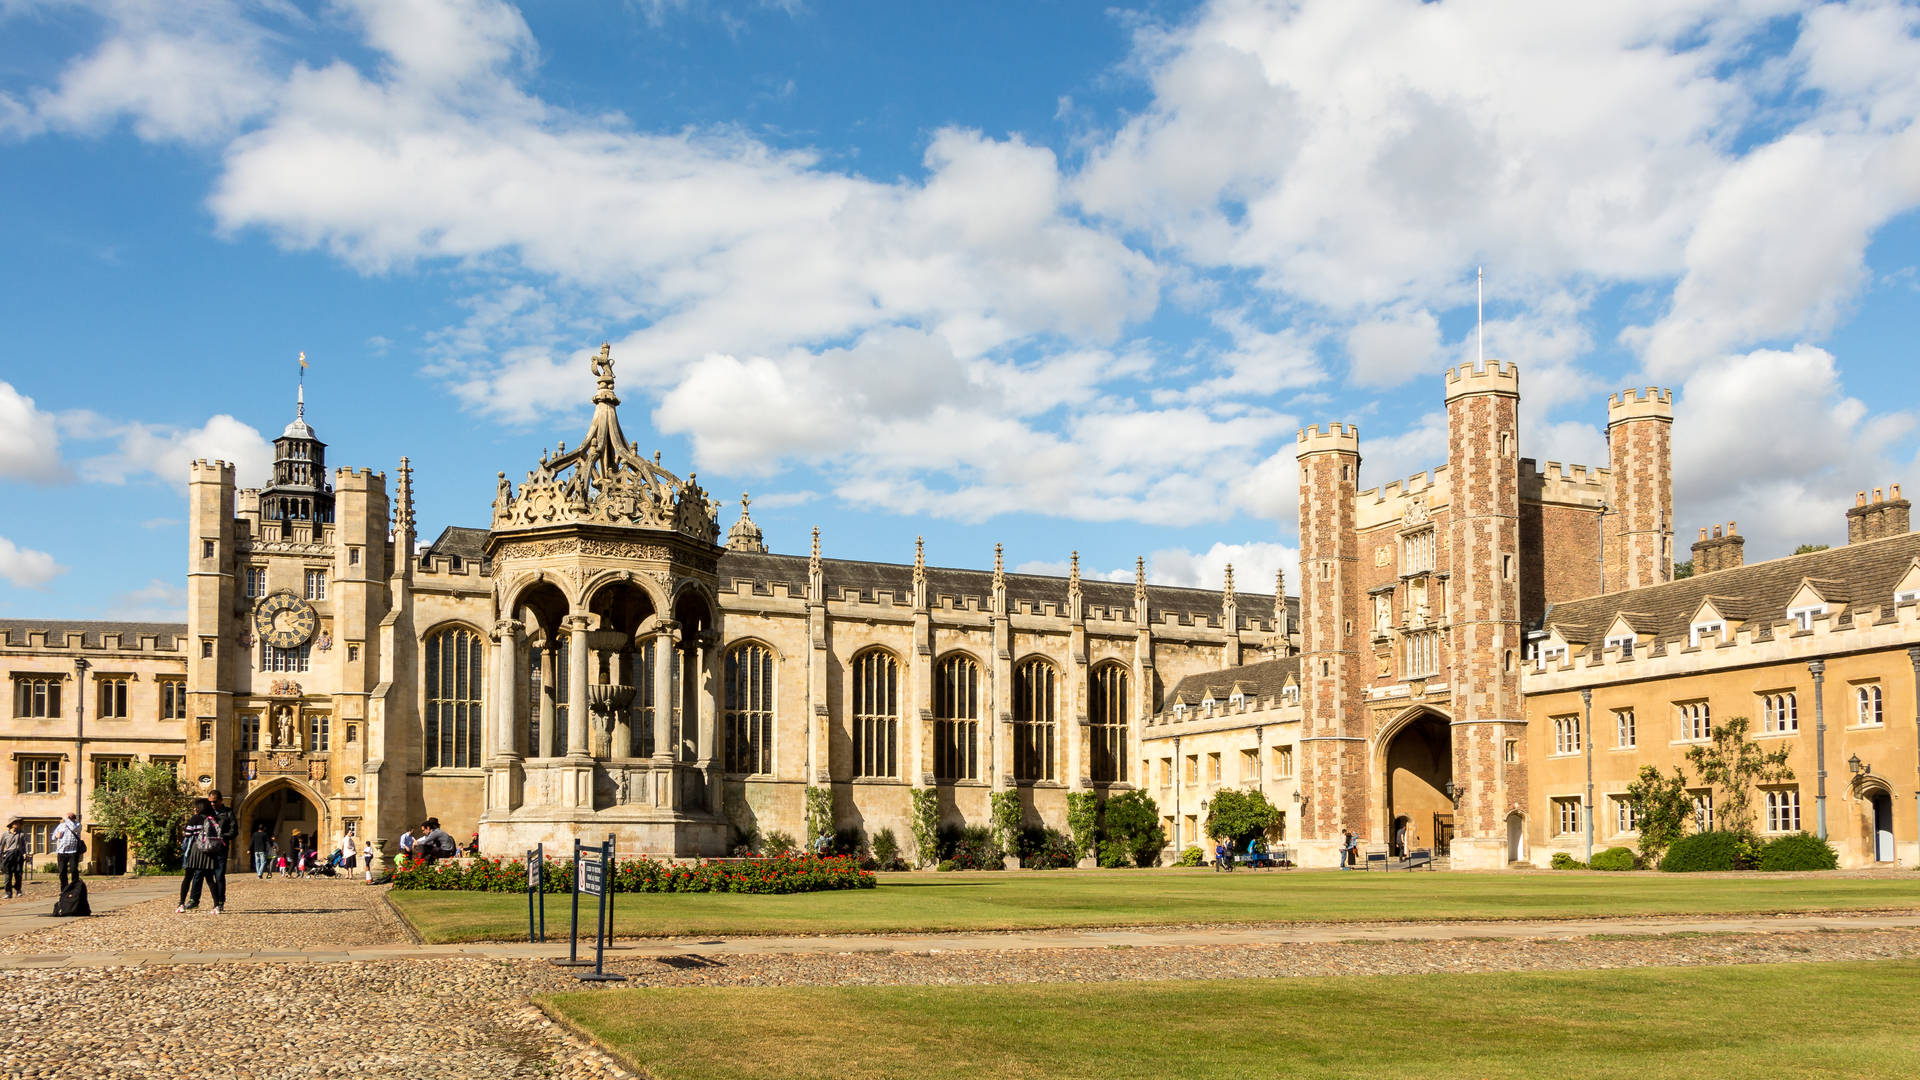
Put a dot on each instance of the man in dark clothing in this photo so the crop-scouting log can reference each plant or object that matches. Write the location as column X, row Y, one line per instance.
column 229, row 827
column 261, row 848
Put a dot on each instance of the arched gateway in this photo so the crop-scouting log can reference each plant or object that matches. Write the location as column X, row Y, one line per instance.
column 1416, row 767
column 605, row 651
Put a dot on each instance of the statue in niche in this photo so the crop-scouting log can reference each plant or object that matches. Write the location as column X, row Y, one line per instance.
column 283, row 733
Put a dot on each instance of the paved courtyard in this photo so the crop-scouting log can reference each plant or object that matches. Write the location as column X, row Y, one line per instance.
column 319, row 978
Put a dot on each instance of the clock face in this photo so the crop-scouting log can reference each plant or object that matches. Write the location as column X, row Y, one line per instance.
column 284, row 621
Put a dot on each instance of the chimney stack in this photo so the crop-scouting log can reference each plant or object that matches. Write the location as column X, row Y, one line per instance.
column 1720, row 551
column 1887, row 515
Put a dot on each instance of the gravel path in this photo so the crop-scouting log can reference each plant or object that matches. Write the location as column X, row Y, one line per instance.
column 260, row 914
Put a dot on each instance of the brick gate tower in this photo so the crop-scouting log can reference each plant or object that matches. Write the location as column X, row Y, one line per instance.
column 1333, row 740
column 1484, row 638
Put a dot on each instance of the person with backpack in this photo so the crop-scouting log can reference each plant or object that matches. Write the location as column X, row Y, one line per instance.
column 67, row 849
column 229, row 832
column 205, row 850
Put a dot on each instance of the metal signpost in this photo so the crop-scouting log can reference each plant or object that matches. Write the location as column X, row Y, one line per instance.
column 573, row 937
column 537, row 888
column 596, row 873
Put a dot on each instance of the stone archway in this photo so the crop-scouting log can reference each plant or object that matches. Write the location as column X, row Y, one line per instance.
column 1417, row 767
column 287, row 810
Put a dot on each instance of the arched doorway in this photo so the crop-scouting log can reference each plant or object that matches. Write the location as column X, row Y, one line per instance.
column 1516, row 837
column 286, row 811
column 1419, row 769
column 1881, row 805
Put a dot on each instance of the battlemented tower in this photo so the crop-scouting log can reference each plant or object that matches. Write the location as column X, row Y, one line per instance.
column 1640, row 527
column 1333, row 743
column 1483, row 611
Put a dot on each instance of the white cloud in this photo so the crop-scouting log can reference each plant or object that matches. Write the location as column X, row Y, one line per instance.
column 1253, row 562
column 25, row 567
column 1773, row 442
column 193, row 70
column 156, row 601
column 1389, row 350
column 29, row 438
column 163, row 452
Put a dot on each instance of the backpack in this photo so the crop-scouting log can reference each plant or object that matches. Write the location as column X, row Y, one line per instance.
column 73, row 901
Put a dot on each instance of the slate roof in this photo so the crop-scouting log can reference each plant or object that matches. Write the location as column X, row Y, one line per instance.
column 14, row 632
column 870, row 578
column 1864, row 575
column 1261, row 679
column 468, row 544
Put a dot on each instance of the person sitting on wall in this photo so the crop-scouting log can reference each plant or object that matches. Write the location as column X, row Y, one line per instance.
column 436, row 844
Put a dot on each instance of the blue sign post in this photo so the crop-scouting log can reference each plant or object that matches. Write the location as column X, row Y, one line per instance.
column 537, row 891
column 573, row 936
column 596, row 880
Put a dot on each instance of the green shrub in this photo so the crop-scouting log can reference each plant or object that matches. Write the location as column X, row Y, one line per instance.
column 1132, row 820
column 1614, row 858
column 1083, row 820
column 969, row 847
column 946, row 864
column 1115, row 855
column 1007, row 815
column 777, row 844
column 1044, row 848
column 926, row 826
column 1717, row 850
column 1799, row 851
column 1193, row 856
column 886, row 850
column 1564, row 861
column 1238, row 816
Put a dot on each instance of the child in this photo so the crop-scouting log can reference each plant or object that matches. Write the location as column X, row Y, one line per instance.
column 280, row 861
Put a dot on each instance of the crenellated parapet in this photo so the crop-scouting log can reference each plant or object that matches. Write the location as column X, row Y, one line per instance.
column 1573, row 485
column 1338, row 438
column 1496, row 377
column 1651, row 403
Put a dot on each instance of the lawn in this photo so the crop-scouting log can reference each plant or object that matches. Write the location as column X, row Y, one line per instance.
column 1773, row 1020
column 1008, row 901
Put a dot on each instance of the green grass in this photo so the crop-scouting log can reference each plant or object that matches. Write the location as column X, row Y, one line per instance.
column 1007, row 901
column 1773, row 1020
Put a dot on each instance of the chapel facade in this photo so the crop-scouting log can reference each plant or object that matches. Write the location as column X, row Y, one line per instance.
column 602, row 660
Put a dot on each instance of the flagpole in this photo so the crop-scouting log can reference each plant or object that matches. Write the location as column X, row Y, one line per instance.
column 1479, row 319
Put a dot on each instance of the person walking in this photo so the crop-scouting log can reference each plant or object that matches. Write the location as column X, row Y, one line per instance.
column 67, row 849
column 205, row 851
column 1346, row 849
column 261, row 847
column 229, row 832
column 13, row 858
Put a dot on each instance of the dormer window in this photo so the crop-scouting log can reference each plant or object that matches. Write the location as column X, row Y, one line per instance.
column 1549, row 653
column 1716, row 629
column 1238, row 702
column 1624, row 643
column 1803, row 616
column 1291, row 695
column 1910, row 596
column 1180, row 711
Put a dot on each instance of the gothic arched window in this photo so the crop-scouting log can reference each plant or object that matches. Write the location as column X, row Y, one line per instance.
column 876, row 714
column 1034, row 685
column 748, row 709
column 956, row 719
column 454, row 669
column 1107, row 719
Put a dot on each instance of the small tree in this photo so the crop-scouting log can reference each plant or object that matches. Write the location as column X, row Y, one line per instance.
column 1661, row 810
column 1083, row 819
column 1808, row 549
column 1683, row 570
column 1234, row 814
column 145, row 804
column 819, row 814
column 1733, row 764
column 1132, row 830
column 926, row 826
column 1007, row 818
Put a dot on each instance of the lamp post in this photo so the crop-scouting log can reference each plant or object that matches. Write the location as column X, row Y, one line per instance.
column 1586, row 740
column 1913, row 654
column 1819, row 670
column 80, row 666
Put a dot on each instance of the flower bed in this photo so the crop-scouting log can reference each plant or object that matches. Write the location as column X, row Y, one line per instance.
column 784, row 874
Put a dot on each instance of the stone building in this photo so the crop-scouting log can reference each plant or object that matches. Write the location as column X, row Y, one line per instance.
column 599, row 660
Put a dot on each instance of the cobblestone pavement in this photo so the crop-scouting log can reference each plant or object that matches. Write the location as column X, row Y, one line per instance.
column 434, row 1016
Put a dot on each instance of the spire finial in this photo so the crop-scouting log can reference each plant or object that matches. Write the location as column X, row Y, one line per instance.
column 744, row 501
column 403, row 500
column 1139, row 579
column 919, row 554
column 999, row 569
column 1226, row 592
column 815, row 555
column 1073, row 572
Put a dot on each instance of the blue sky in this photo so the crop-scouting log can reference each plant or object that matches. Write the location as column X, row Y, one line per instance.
column 1057, row 275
